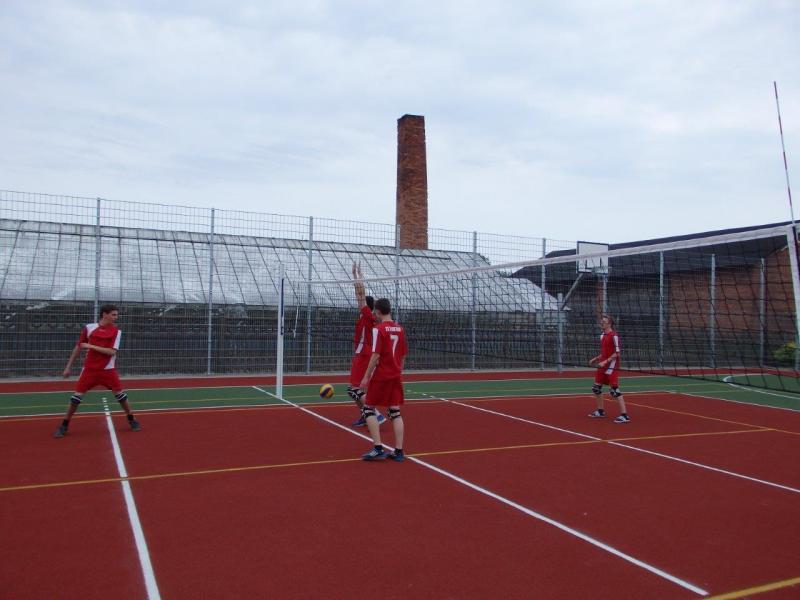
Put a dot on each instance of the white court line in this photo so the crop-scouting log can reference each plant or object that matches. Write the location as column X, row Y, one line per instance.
column 511, row 503
column 133, row 514
column 621, row 445
column 758, row 391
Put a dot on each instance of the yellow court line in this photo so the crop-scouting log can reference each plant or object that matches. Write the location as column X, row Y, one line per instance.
column 344, row 460
column 688, row 414
column 178, row 474
column 757, row 590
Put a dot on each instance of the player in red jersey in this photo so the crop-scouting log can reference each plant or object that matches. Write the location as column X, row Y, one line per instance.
column 608, row 370
column 383, row 381
column 362, row 345
column 101, row 341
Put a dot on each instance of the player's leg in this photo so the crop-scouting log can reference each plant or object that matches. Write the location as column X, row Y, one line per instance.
column 85, row 383
column 357, row 369
column 370, row 414
column 112, row 382
column 397, row 399
column 597, row 390
column 616, row 393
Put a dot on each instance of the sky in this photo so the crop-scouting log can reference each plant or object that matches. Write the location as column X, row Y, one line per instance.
column 613, row 120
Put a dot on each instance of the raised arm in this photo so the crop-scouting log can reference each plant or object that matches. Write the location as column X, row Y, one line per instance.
column 358, row 283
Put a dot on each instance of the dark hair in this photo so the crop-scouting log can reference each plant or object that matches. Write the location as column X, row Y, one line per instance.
column 383, row 306
column 370, row 302
column 107, row 308
column 609, row 317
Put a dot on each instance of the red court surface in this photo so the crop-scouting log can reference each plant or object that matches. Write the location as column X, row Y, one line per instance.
column 275, row 503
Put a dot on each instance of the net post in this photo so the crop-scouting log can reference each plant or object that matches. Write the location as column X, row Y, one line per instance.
column 308, row 294
column 397, row 251
column 762, row 305
column 560, row 339
column 97, row 243
column 210, row 290
column 791, row 238
column 280, row 332
column 473, row 315
column 661, row 310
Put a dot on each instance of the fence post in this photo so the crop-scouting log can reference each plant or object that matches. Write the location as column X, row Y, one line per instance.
column 791, row 238
column 97, row 244
column 210, row 290
column 712, row 316
column 396, row 299
column 542, row 314
column 560, row 338
column 473, row 316
column 762, row 312
column 308, row 293
column 661, row 310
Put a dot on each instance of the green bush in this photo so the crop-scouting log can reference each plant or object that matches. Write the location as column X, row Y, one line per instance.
column 786, row 353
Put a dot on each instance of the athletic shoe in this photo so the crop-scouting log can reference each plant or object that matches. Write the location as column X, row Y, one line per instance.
column 381, row 419
column 135, row 426
column 362, row 422
column 60, row 432
column 622, row 419
column 597, row 414
column 375, row 454
column 397, row 456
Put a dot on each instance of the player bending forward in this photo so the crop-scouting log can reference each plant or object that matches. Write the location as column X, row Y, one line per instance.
column 608, row 370
column 383, row 381
column 101, row 341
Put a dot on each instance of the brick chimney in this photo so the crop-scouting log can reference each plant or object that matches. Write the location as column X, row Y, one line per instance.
column 412, row 182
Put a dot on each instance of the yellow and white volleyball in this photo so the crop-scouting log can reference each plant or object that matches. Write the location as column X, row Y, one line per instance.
column 326, row 391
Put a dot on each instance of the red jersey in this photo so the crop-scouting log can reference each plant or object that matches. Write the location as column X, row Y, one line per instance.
column 362, row 338
column 389, row 341
column 609, row 344
column 106, row 336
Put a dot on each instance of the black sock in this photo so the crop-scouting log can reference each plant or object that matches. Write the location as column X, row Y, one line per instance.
column 379, row 447
column 398, row 450
column 601, row 411
column 130, row 417
column 65, row 423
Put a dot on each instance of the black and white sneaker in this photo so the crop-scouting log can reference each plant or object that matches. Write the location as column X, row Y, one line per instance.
column 597, row 414
column 622, row 419
column 375, row 454
column 60, row 432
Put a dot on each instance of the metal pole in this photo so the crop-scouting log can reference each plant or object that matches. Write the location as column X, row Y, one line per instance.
column 661, row 310
column 712, row 315
column 396, row 299
column 473, row 317
column 97, row 244
column 308, row 293
column 560, row 341
column 762, row 311
column 279, row 343
column 542, row 313
column 210, row 289
column 791, row 237
column 605, row 292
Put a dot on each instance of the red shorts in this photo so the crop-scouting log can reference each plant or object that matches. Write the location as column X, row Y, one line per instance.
column 358, row 368
column 609, row 379
column 107, row 378
column 385, row 392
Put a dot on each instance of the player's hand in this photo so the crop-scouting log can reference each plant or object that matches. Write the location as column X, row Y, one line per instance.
column 66, row 373
column 364, row 383
column 592, row 361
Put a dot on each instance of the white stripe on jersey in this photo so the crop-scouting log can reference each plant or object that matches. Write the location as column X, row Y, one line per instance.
column 360, row 346
column 113, row 360
column 610, row 368
column 374, row 338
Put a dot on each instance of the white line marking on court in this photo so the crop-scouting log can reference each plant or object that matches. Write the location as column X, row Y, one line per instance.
column 735, row 401
column 621, row 445
column 512, row 504
column 133, row 514
column 758, row 391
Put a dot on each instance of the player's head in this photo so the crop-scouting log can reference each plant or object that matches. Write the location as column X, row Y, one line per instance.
column 109, row 313
column 606, row 321
column 370, row 302
column 383, row 306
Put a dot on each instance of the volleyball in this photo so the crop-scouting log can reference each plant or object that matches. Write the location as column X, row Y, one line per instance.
column 326, row 391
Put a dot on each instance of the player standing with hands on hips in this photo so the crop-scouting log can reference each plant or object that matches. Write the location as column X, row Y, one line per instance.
column 608, row 370
column 101, row 341
column 383, row 381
